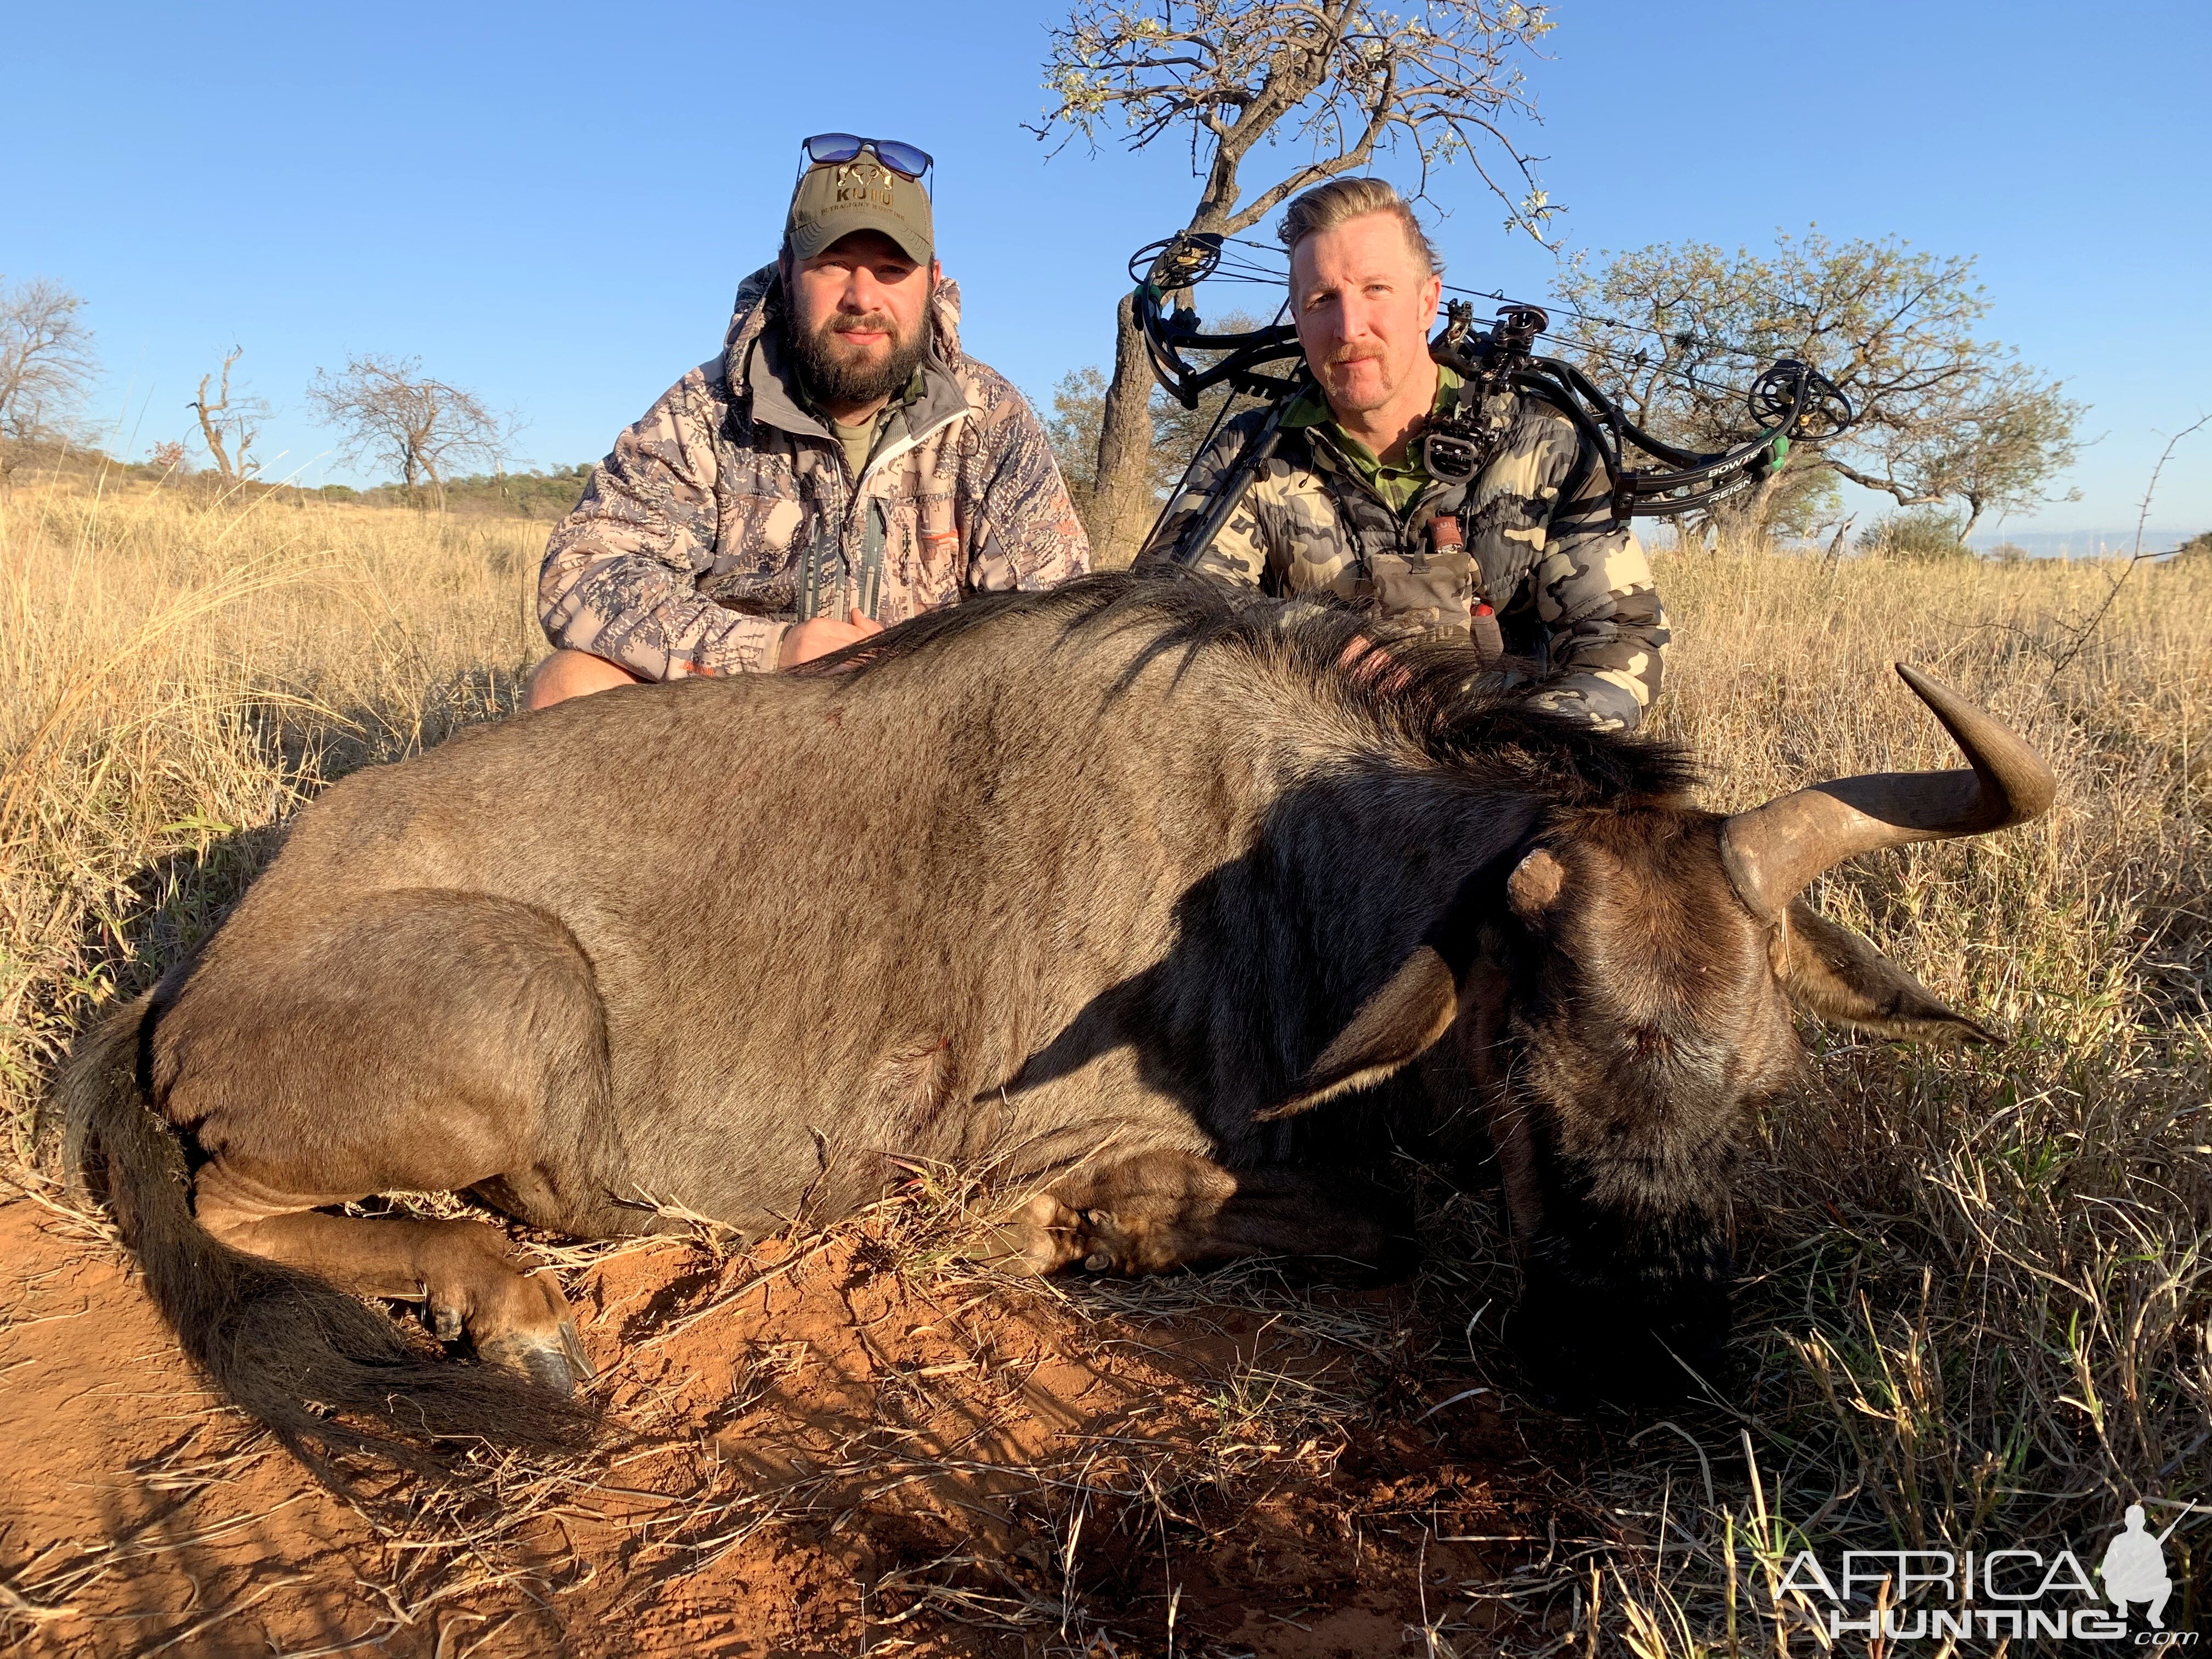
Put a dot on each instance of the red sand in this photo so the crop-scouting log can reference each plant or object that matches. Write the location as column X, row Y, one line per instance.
column 851, row 1460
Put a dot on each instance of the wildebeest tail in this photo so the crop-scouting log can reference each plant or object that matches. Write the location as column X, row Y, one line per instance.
column 322, row 1368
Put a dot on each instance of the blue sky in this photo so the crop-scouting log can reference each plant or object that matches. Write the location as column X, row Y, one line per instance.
column 553, row 204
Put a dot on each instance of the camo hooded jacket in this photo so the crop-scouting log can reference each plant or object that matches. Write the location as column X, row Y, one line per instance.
column 1573, row 591
column 730, row 512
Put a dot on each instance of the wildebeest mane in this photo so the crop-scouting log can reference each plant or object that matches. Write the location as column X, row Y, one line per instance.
column 1425, row 697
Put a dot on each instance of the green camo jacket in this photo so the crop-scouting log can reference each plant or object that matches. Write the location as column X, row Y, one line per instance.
column 1573, row 591
column 730, row 511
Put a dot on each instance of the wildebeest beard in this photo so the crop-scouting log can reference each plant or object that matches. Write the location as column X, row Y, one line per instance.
column 834, row 380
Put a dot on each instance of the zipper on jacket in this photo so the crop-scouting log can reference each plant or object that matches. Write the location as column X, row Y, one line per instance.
column 870, row 582
column 869, row 579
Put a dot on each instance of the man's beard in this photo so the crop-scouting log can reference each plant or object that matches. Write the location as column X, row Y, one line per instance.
column 1343, row 357
column 835, row 374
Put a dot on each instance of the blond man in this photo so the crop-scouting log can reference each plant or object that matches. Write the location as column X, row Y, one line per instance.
column 1348, row 506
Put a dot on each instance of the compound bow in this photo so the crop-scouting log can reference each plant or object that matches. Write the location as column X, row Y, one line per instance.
column 1790, row 399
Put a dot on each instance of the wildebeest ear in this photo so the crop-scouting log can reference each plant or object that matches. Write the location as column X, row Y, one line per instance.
column 1533, row 887
column 1832, row 974
column 1396, row 1025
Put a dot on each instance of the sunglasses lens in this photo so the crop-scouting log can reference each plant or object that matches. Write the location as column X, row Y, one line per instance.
column 833, row 147
column 903, row 158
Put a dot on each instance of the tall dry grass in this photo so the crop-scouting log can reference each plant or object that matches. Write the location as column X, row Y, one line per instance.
column 1977, row 1292
column 177, row 675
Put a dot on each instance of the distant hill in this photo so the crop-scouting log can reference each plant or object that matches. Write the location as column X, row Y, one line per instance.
column 547, row 496
column 2082, row 543
column 542, row 496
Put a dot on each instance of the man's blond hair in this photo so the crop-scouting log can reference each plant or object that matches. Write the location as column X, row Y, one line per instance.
column 1327, row 206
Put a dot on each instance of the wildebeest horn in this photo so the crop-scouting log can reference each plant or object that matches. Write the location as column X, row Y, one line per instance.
column 1773, row 852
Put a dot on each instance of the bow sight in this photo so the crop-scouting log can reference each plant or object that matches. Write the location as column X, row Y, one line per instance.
column 1789, row 400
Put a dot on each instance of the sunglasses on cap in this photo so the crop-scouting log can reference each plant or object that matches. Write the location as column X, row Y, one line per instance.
column 904, row 160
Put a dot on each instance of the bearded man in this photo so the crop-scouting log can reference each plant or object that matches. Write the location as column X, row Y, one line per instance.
column 839, row 467
column 1348, row 506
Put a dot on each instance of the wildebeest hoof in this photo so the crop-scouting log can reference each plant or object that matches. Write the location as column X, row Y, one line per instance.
column 520, row 1321
column 544, row 1359
column 1040, row 1237
column 579, row 1363
column 1095, row 1238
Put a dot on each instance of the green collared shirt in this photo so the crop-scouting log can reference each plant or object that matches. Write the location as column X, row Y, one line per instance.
column 1398, row 482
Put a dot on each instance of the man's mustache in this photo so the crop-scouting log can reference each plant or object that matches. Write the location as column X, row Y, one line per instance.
column 866, row 322
column 1344, row 356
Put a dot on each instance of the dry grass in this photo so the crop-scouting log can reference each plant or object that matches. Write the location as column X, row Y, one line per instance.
column 176, row 678
column 1978, row 1286
column 1976, row 1303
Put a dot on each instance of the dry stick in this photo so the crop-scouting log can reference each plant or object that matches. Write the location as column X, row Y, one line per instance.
column 15, row 1604
column 2143, row 516
column 230, row 1611
column 1727, row 1537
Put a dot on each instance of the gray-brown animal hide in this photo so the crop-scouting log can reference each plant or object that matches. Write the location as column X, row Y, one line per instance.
column 1106, row 889
column 1030, row 896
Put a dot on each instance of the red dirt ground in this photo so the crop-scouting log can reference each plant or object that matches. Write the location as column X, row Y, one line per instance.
column 842, row 1456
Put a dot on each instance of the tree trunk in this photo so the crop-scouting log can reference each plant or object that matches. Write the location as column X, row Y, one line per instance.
column 211, row 435
column 1742, row 522
column 1122, row 504
column 1835, row 554
column 1973, row 517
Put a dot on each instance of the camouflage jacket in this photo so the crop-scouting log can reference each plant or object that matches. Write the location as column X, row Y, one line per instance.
column 730, row 512
column 1572, row 592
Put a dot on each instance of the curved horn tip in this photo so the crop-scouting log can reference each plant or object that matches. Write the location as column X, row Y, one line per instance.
column 1922, row 684
column 2028, row 781
column 1773, row 851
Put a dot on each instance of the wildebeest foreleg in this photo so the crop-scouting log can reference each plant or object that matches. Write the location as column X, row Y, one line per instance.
column 473, row 1283
column 1162, row 1210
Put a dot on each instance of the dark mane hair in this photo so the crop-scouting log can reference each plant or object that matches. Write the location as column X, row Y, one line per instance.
column 1428, row 695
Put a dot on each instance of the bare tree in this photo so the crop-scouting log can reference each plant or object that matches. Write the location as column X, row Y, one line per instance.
column 1078, row 409
column 227, row 423
column 421, row 428
column 1337, row 81
column 47, row 361
column 1677, row 331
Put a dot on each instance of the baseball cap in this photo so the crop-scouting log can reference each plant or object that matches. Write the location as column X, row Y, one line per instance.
column 836, row 198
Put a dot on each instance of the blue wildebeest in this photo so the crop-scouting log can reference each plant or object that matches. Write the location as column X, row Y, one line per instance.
column 1130, row 891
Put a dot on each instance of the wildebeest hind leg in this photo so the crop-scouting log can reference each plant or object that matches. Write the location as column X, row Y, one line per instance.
column 473, row 1282
column 418, row 1041
column 1163, row 1210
